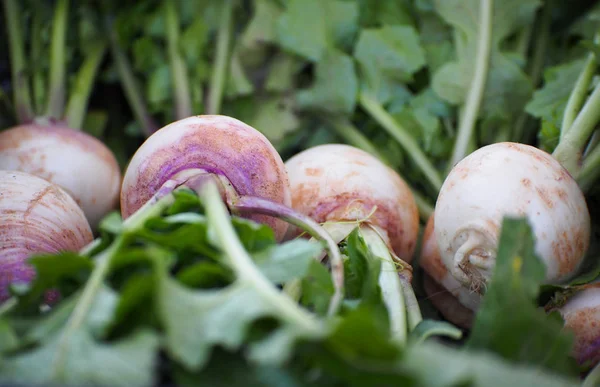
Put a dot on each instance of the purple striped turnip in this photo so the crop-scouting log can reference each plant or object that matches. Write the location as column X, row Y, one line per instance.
column 36, row 217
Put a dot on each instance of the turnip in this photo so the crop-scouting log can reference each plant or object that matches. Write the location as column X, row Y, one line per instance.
column 252, row 175
column 581, row 313
column 50, row 144
column 509, row 179
column 36, row 216
column 443, row 290
column 344, row 187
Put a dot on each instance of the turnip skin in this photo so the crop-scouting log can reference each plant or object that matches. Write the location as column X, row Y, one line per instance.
column 36, row 216
column 581, row 313
column 356, row 182
column 216, row 144
column 76, row 161
column 510, row 179
column 443, row 290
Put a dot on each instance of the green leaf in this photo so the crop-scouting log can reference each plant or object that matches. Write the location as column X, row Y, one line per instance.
column 375, row 13
column 281, row 73
column 317, row 288
column 127, row 362
column 260, row 32
column 193, row 42
column 287, row 261
column 220, row 317
column 434, row 365
column 335, row 87
column 530, row 336
column 274, row 116
column 388, row 56
column 61, row 271
column 147, row 55
column 66, row 356
column 8, row 337
column 507, row 87
column 237, row 82
column 309, row 28
column 158, row 88
column 549, row 101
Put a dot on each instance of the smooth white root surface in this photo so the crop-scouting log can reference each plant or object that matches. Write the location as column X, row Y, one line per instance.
column 336, row 182
column 77, row 162
column 510, row 179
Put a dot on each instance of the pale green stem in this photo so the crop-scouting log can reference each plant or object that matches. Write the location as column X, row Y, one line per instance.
column 353, row 136
column 475, row 95
column 579, row 93
column 79, row 96
column 593, row 378
column 20, row 80
column 242, row 263
column 57, row 86
column 130, row 86
column 221, row 62
column 389, row 282
column 522, row 45
column 535, row 70
column 409, row 144
column 181, row 83
column 571, row 146
column 590, row 170
column 96, row 279
column 38, row 82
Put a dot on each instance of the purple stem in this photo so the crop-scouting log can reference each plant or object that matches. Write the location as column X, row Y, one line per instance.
column 252, row 204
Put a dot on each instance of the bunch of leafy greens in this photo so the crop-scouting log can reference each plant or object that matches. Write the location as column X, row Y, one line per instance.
column 184, row 293
column 397, row 79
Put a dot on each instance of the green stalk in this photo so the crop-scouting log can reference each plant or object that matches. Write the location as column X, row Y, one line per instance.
column 243, row 265
column 579, row 93
column 536, row 68
column 475, row 95
column 353, row 136
column 592, row 144
column 181, row 88
column 57, row 86
column 132, row 91
column 36, row 58
column 220, row 65
column 571, row 146
column 593, row 378
column 20, row 80
column 409, row 144
column 79, row 96
column 94, row 283
column 389, row 281
column 524, row 40
column 590, row 170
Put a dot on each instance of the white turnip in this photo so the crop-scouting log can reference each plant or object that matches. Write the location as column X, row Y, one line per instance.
column 509, row 179
column 443, row 290
column 581, row 313
column 334, row 182
column 36, row 216
column 78, row 162
column 47, row 140
column 344, row 188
